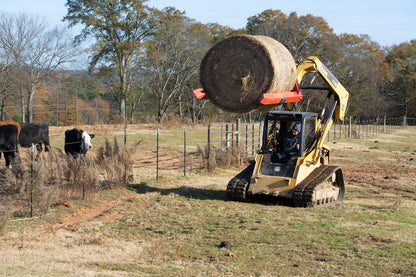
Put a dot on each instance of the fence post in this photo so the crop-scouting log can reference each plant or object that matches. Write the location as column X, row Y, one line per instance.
column 346, row 126
column 221, row 140
column 387, row 125
column 260, row 134
column 372, row 128
column 349, row 128
column 384, row 125
column 404, row 121
column 184, row 151
column 237, row 139
column 252, row 140
column 125, row 136
column 209, row 145
column 31, row 180
column 246, row 138
column 237, row 132
column 96, row 111
column 157, row 155
column 227, row 136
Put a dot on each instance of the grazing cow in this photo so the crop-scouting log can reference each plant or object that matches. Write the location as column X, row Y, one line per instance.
column 8, row 142
column 77, row 142
column 36, row 134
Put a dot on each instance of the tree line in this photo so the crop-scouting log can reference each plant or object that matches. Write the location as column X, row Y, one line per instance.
column 144, row 62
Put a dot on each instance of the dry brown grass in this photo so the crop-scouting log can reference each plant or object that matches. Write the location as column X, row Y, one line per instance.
column 4, row 216
column 33, row 186
column 116, row 163
column 13, row 181
column 221, row 158
column 82, row 175
column 174, row 226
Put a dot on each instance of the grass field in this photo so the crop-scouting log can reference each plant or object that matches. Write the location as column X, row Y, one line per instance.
column 174, row 226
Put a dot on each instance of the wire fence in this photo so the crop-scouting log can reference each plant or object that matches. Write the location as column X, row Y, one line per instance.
column 411, row 121
column 224, row 135
column 30, row 187
column 358, row 129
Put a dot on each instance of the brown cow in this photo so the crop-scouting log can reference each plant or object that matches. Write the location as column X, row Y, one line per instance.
column 12, row 123
column 8, row 143
column 10, row 154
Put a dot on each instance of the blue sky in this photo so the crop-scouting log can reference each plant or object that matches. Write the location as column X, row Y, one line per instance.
column 387, row 22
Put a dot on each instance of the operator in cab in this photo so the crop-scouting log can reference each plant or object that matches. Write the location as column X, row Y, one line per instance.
column 290, row 145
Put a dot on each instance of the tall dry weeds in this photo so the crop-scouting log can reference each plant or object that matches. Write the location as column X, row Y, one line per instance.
column 116, row 163
column 13, row 180
column 222, row 158
column 4, row 216
column 35, row 185
column 82, row 176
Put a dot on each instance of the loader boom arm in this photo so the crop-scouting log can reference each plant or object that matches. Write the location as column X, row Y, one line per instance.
column 334, row 88
column 314, row 64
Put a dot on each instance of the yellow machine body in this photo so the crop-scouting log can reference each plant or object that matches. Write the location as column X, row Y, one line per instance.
column 310, row 180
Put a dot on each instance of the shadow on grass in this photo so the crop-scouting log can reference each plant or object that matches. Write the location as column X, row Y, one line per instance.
column 188, row 192
column 206, row 194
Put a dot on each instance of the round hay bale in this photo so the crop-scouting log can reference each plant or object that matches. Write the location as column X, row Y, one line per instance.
column 237, row 71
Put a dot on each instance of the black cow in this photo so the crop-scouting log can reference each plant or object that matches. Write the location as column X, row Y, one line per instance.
column 8, row 142
column 36, row 134
column 77, row 142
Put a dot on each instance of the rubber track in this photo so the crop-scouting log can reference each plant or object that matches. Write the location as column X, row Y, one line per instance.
column 238, row 185
column 303, row 192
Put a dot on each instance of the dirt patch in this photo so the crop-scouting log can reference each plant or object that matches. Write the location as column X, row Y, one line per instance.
column 98, row 213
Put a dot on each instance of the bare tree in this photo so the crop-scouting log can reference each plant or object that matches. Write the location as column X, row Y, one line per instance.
column 5, row 85
column 173, row 57
column 16, row 32
column 35, row 51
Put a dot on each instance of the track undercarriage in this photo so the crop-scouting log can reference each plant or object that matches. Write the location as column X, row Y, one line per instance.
column 323, row 187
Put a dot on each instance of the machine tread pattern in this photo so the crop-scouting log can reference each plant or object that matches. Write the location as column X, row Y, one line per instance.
column 238, row 185
column 304, row 191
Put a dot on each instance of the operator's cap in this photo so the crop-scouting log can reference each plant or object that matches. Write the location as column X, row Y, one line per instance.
column 296, row 127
